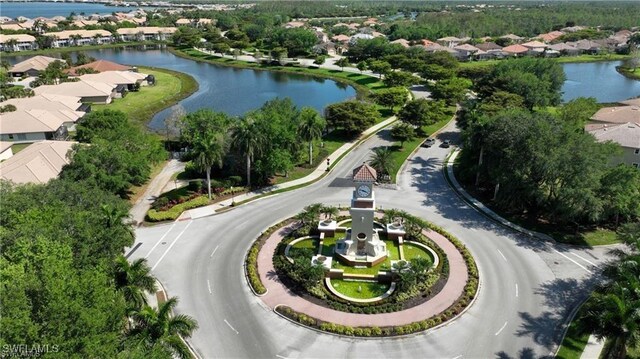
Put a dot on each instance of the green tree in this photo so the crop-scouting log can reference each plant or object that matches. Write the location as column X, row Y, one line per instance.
column 362, row 65
column 422, row 112
column 310, row 127
column 132, row 280
column 351, row 116
column 186, row 36
column 342, row 62
column 96, row 123
column 403, row 132
column 400, row 78
column 381, row 160
column 248, row 139
column 500, row 101
column 391, row 97
column 577, row 112
column 157, row 328
column 437, row 72
column 330, row 211
column 208, row 150
column 380, row 67
column 451, row 90
column 620, row 190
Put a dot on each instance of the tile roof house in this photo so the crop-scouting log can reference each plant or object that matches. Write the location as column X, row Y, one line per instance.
column 627, row 135
column 617, row 115
column 88, row 91
column 488, row 46
column 512, row 37
column 564, row 48
column 38, row 163
column 365, row 173
column 100, row 66
column 550, row 36
column 30, row 125
column 79, row 37
column 449, row 41
column 17, row 42
column 32, row 66
column 341, row 38
column 147, row 33
column 124, row 80
column 516, row 49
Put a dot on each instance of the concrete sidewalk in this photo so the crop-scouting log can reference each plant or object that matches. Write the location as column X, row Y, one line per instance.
column 156, row 187
column 593, row 348
column 319, row 172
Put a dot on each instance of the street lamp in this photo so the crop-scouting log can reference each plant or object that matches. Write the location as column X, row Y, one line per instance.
column 233, row 197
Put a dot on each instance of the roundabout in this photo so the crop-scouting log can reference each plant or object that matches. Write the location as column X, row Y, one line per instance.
column 528, row 289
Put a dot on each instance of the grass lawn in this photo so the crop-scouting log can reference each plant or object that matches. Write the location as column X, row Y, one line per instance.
column 19, row 147
column 137, row 191
column 170, row 88
column 573, row 343
column 310, row 243
column 627, row 72
column 358, row 289
column 411, row 251
column 400, row 154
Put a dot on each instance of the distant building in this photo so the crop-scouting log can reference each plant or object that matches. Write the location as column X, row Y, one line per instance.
column 79, row 37
column 148, row 33
column 32, row 66
column 17, row 42
column 38, row 163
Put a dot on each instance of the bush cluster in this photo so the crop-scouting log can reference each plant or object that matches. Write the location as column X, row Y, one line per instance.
column 174, row 212
column 251, row 261
column 164, row 204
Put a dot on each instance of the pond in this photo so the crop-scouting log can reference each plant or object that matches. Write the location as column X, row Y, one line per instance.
column 599, row 80
column 51, row 9
column 230, row 90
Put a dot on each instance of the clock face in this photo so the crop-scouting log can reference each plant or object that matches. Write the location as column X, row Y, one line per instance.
column 364, row 191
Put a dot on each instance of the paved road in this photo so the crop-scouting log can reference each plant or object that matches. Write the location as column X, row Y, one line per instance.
column 527, row 286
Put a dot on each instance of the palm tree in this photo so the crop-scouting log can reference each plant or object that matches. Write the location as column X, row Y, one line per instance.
column 310, row 127
column 74, row 39
column 11, row 45
column 248, row 138
column 310, row 213
column 153, row 328
column 381, row 160
column 329, row 211
column 209, row 149
column 133, row 279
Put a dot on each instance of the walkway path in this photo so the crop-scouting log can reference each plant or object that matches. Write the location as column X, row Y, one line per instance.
column 319, row 172
column 279, row 294
column 155, row 188
column 593, row 348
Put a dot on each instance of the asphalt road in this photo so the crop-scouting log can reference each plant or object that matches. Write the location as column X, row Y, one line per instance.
column 527, row 287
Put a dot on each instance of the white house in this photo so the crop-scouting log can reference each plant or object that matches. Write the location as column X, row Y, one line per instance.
column 148, row 33
column 17, row 42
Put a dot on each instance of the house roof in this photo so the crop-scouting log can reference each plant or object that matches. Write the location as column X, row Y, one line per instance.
column 403, row 42
column 550, row 36
column 512, row 37
column 632, row 102
column 486, row 46
column 14, row 27
column 115, row 77
column 79, row 88
column 64, row 35
column 449, row 38
column 515, row 49
column 625, row 134
column 466, row 47
column 99, row 66
column 46, row 102
column 586, row 45
column 427, row 42
column 5, row 145
column 18, row 37
column 38, row 163
column 340, row 38
column 183, row 21
column 618, row 114
column 37, row 63
column 534, row 44
column 146, row 30
column 365, row 173
column 34, row 120
column 562, row 47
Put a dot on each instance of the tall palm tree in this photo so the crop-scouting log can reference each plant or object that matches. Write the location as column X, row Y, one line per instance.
column 310, row 127
column 11, row 45
column 209, row 149
column 248, row 138
column 153, row 328
column 329, row 211
column 381, row 160
column 133, row 279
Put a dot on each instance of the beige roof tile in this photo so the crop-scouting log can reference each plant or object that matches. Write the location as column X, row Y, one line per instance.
column 38, row 163
column 618, row 114
column 37, row 63
column 626, row 134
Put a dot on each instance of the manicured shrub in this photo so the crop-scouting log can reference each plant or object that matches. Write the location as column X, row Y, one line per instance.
column 174, row 212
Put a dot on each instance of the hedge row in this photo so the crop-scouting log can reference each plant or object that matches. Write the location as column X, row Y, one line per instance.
column 251, row 261
column 175, row 211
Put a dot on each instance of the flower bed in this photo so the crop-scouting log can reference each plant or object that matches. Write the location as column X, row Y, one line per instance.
column 157, row 215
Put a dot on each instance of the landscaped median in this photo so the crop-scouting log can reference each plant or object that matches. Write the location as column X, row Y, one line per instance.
column 384, row 317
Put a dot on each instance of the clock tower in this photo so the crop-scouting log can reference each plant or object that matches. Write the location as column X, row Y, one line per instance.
column 362, row 245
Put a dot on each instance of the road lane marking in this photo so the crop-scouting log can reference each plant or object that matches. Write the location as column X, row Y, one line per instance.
column 584, row 259
column 214, row 252
column 458, row 357
column 209, row 286
column 505, row 258
column 501, row 329
column 281, row 357
column 516, row 290
column 232, row 328
column 576, row 263
column 171, row 245
column 167, row 232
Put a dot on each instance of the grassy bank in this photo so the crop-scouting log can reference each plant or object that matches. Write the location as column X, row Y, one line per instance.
column 627, row 72
column 140, row 107
column 363, row 84
column 563, row 60
column 60, row 50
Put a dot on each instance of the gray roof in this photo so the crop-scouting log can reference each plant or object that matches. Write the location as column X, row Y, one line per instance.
column 626, row 134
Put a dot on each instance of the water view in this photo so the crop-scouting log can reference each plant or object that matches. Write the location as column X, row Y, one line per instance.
column 599, row 80
column 51, row 9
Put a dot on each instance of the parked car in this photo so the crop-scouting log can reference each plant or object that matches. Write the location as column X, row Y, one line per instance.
column 429, row 142
column 445, row 143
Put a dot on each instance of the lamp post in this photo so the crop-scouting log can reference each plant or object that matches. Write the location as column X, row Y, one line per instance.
column 233, row 197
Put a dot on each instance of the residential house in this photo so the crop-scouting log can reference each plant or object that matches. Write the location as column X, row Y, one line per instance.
column 5, row 150
column 488, row 46
column 515, row 50
column 401, row 42
column 70, row 108
column 147, row 33
column 183, row 22
column 202, row 22
column 586, row 46
column 535, row 47
column 88, row 91
column 327, row 48
column 564, row 49
column 38, row 163
column 79, row 37
column 426, row 42
column 370, row 21
column 343, row 39
column 550, row 36
column 360, row 36
column 125, row 81
column 17, row 42
column 449, row 41
column 26, row 126
column 32, row 66
column 12, row 27
column 466, row 51
column 514, row 38
column 627, row 135
column 100, row 66
column 617, row 114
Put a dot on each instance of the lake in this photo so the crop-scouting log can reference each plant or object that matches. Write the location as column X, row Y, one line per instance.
column 599, row 80
column 230, row 90
column 50, row 9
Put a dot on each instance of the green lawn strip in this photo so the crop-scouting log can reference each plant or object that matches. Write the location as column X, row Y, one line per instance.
column 586, row 236
column 400, row 154
column 362, row 83
column 412, row 251
column 563, row 59
column 141, row 106
column 19, row 147
column 359, row 289
column 633, row 74
column 574, row 340
column 59, row 50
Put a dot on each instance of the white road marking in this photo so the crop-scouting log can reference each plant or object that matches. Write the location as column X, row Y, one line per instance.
column 576, row 263
column 458, row 357
column 501, row 329
column 281, row 357
column 214, row 252
column 232, row 328
column 167, row 232
column 505, row 258
column 170, row 246
column 209, row 286
column 584, row 259
column 516, row 290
